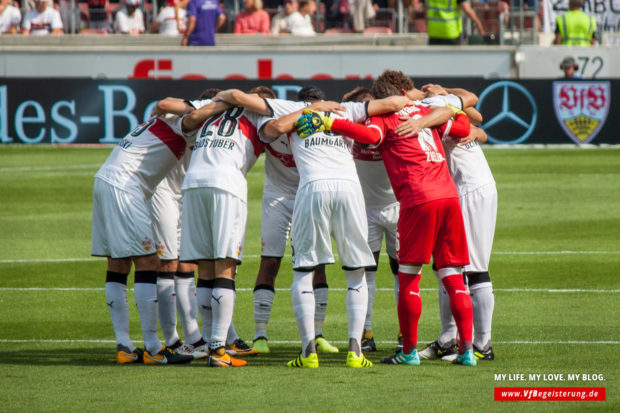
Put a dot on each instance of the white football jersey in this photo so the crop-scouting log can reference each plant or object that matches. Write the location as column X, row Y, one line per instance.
column 41, row 24
column 145, row 156
column 10, row 17
column 374, row 179
column 325, row 155
column 281, row 175
column 168, row 21
column 467, row 163
column 226, row 147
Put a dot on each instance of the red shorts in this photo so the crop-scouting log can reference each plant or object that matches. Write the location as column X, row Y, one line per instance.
column 434, row 228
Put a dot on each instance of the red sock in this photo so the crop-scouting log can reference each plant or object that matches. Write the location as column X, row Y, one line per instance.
column 460, row 304
column 409, row 309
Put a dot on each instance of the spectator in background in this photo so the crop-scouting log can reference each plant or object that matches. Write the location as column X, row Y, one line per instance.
column 444, row 21
column 361, row 12
column 253, row 19
column 129, row 19
column 42, row 20
column 570, row 67
column 575, row 28
column 299, row 23
column 278, row 22
column 171, row 20
column 10, row 17
column 204, row 18
column 99, row 15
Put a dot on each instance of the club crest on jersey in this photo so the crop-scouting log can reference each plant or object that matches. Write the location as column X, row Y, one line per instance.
column 147, row 244
column 581, row 107
column 160, row 248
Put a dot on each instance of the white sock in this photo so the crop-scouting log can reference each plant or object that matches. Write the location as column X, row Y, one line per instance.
column 320, row 308
column 166, row 300
column 187, row 308
column 302, row 297
column 203, row 301
column 232, row 335
column 116, row 298
column 357, row 304
column 372, row 291
column 146, row 301
column 448, row 325
column 222, row 305
column 263, row 302
column 483, row 301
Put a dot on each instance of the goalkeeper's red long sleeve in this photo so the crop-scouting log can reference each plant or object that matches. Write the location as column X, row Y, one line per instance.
column 355, row 131
column 460, row 127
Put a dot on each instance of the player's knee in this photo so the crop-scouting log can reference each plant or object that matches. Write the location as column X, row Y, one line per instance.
column 147, row 263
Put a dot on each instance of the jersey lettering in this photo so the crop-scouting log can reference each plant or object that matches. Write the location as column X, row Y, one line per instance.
column 427, row 143
column 141, row 128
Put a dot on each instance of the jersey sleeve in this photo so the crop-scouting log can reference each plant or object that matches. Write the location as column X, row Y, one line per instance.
column 367, row 134
column 441, row 100
column 197, row 104
column 458, row 128
column 356, row 111
column 282, row 107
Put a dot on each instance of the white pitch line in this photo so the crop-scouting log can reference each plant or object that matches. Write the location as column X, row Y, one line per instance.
column 94, row 341
column 47, row 168
column 336, row 289
column 255, row 256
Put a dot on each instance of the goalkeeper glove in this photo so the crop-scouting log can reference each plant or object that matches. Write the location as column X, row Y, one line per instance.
column 311, row 122
column 455, row 110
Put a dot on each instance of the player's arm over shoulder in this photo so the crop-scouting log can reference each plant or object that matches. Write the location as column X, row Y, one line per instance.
column 194, row 119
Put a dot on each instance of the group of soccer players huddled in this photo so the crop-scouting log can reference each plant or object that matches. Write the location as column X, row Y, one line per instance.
column 392, row 163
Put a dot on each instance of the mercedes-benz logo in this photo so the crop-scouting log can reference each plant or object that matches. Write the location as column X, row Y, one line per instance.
column 511, row 112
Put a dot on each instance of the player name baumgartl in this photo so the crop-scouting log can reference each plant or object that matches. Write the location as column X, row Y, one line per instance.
column 325, row 140
column 214, row 143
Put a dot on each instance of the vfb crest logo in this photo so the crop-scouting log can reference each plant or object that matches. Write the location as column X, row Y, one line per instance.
column 581, row 108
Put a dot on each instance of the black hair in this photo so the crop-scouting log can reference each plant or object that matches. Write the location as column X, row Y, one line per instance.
column 310, row 93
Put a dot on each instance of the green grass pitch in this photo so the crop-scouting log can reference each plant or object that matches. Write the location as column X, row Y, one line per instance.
column 555, row 271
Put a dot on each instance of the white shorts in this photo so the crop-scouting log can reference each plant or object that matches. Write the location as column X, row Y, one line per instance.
column 122, row 225
column 330, row 207
column 166, row 209
column 275, row 224
column 212, row 225
column 479, row 215
column 383, row 221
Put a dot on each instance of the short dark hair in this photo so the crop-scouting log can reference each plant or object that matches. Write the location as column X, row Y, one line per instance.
column 209, row 93
column 397, row 78
column 382, row 89
column 310, row 93
column 263, row 91
column 357, row 94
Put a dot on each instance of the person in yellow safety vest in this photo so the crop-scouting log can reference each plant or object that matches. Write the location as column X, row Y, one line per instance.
column 444, row 22
column 575, row 28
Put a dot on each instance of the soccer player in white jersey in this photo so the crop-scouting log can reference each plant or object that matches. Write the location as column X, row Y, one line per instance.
column 382, row 213
column 478, row 198
column 215, row 213
column 176, row 291
column 281, row 182
column 123, row 231
column 329, row 202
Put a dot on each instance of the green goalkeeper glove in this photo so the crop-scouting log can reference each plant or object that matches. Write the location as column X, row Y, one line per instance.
column 311, row 122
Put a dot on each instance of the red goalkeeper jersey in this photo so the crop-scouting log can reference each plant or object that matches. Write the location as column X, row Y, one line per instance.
column 416, row 165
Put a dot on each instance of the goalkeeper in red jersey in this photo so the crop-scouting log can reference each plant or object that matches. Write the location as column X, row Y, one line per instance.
column 430, row 221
